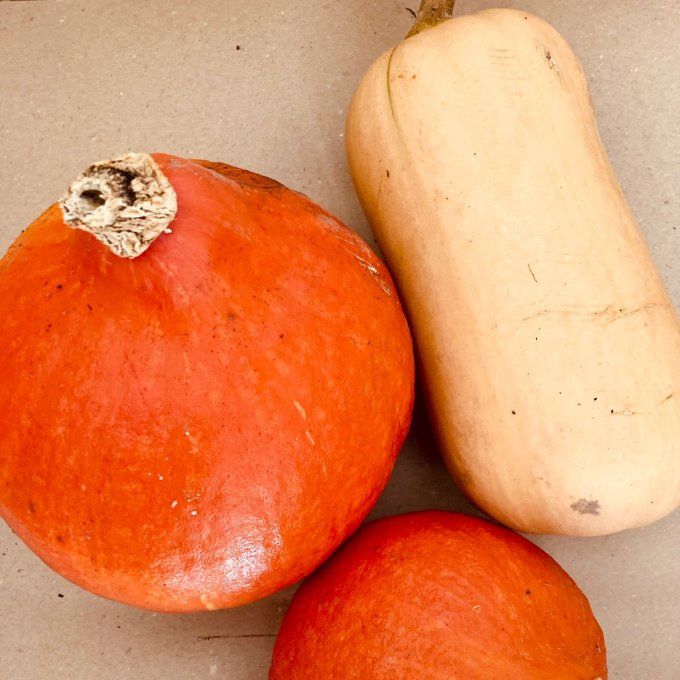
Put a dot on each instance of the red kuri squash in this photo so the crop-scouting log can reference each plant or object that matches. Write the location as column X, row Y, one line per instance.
column 195, row 426
column 436, row 596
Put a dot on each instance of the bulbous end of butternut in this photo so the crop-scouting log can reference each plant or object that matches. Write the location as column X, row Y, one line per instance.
column 550, row 349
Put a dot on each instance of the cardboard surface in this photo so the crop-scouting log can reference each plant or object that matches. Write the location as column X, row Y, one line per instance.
column 82, row 81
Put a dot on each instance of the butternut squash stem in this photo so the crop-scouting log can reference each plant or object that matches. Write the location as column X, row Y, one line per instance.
column 126, row 203
column 431, row 13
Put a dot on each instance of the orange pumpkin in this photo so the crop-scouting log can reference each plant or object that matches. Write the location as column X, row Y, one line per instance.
column 435, row 596
column 202, row 424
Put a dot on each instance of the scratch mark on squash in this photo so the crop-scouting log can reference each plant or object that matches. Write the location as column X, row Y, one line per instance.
column 550, row 58
column 373, row 271
column 574, row 310
column 629, row 312
column 366, row 265
column 500, row 57
column 537, row 314
column 308, row 434
column 345, row 240
column 300, row 409
column 665, row 399
column 531, row 271
column 607, row 313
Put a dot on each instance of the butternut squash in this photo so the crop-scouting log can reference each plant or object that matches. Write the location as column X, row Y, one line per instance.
column 550, row 349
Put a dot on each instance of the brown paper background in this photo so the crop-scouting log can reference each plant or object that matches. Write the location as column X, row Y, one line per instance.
column 83, row 80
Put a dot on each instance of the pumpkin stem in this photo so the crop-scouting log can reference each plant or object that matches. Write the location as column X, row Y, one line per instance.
column 431, row 13
column 125, row 203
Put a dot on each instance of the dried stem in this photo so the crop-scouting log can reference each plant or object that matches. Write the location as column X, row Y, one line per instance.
column 125, row 203
column 431, row 13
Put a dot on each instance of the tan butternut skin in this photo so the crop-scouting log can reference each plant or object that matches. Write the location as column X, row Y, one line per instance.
column 549, row 347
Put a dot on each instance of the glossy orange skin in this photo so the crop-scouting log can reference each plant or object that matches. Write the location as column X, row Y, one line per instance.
column 202, row 425
column 438, row 596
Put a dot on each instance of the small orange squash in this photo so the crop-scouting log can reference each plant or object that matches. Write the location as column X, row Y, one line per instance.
column 436, row 596
column 198, row 425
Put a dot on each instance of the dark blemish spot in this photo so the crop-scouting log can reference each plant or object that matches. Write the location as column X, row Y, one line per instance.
column 31, row 507
column 594, row 398
column 60, row 594
column 597, row 648
column 412, row 12
column 528, row 592
column 387, row 172
column 60, row 539
column 238, row 47
column 89, row 307
column 59, row 286
column 611, row 411
column 514, row 413
column 586, row 507
column 552, row 64
column 281, row 335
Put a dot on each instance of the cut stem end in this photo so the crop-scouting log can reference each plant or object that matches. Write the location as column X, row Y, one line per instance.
column 431, row 13
column 126, row 203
